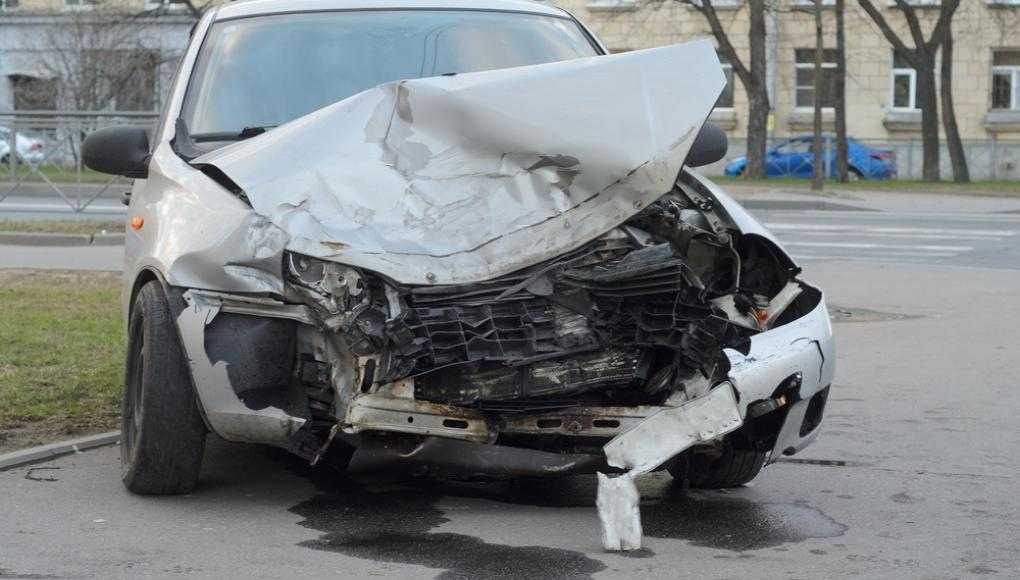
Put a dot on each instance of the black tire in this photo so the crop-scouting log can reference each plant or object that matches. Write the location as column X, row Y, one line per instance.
column 854, row 174
column 162, row 431
column 733, row 468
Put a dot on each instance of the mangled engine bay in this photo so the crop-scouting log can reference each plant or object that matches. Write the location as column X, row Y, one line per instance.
column 637, row 317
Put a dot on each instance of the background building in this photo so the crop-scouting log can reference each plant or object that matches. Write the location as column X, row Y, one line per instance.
column 880, row 90
column 119, row 55
column 82, row 55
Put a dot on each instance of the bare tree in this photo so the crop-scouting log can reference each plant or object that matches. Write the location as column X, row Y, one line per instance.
column 818, row 165
column 99, row 59
column 922, row 58
column 195, row 10
column 839, row 96
column 957, row 157
column 752, row 75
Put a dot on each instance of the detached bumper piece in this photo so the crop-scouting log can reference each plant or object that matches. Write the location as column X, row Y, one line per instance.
column 648, row 445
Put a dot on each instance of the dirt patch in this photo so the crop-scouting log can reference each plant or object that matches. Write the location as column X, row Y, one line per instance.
column 41, row 433
column 78, row 226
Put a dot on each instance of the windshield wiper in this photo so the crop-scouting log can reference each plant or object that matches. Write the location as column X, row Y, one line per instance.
column 246, row 133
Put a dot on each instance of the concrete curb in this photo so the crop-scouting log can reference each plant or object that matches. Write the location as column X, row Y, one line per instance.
column 41, row 239
column 797, row 205
column 54, row 450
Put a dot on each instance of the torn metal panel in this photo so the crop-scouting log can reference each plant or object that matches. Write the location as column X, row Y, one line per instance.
column 580, row 422
column 669, row 432
column 255, row 306
column 226, row 414
column 377, row 413
column 396, row 179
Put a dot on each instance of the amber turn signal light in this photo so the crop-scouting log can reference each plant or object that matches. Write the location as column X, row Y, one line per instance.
column 137, row 222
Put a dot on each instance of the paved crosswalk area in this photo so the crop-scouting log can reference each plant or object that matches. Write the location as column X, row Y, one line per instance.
column 978, row 240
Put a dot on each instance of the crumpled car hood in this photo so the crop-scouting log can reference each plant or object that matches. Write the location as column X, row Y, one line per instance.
column 463, row 178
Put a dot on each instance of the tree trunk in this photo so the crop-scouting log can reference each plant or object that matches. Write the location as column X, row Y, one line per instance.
column 961, row 174
column 842, row 167
column 928, row 103
column 758, row 97
column 818, row 163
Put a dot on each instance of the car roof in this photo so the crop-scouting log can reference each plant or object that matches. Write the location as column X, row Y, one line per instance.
column 260, row 7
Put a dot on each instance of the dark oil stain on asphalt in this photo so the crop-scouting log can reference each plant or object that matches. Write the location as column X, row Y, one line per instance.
column 393, row 522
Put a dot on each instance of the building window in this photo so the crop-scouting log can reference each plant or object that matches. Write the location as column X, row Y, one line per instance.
column 8, row 4
column 1006, row 79
column 805, row 90
column 904, row 84
column 134, row 72
column 165, row 5
column 33, row 93
column 726, row 97
column 611, row 4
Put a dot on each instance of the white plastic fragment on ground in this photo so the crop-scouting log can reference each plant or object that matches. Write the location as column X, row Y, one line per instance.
column 619, row 510
column 647, row 446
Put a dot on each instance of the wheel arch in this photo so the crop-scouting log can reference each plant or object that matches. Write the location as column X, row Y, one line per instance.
column 175, row 300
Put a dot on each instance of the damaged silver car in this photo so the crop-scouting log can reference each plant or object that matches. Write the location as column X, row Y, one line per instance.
column 452, row 238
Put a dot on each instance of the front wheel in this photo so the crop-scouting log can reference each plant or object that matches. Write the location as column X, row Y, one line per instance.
column 162, row 431
column 731, row 468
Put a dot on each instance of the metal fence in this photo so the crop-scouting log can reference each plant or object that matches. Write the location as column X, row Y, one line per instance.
column 40, row 156
column 987, row 159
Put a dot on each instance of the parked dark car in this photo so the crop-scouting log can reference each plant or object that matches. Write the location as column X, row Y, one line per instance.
column 794, row 158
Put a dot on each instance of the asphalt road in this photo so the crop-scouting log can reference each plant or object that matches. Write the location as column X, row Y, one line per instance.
column 989, row 240
column 914, row 476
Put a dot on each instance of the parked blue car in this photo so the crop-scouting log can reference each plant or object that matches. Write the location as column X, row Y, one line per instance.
column 793, row 158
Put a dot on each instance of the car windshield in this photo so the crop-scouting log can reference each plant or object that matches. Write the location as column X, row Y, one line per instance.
column 259, row 72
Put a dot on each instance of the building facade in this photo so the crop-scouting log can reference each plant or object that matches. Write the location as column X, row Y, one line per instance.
column 83, row 55
column 880, row 89
column 77, row 54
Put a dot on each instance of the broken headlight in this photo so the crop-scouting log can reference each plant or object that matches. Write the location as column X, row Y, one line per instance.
column 336, row 287
column 349, row 301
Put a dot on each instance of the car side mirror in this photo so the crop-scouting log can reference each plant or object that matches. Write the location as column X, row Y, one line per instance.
column 709, row 146
column 118, row 150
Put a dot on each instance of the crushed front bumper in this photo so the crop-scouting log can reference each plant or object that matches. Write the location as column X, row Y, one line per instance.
column 796, row 360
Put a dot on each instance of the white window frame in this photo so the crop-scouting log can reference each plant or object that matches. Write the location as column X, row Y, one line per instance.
column 723, row 4
column 79, row 4
column 611, row 5
column 1014, row 73
column 811, row 66
column 917, row 3
column 730, row 81
column 165, row 4
column 898, row 71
